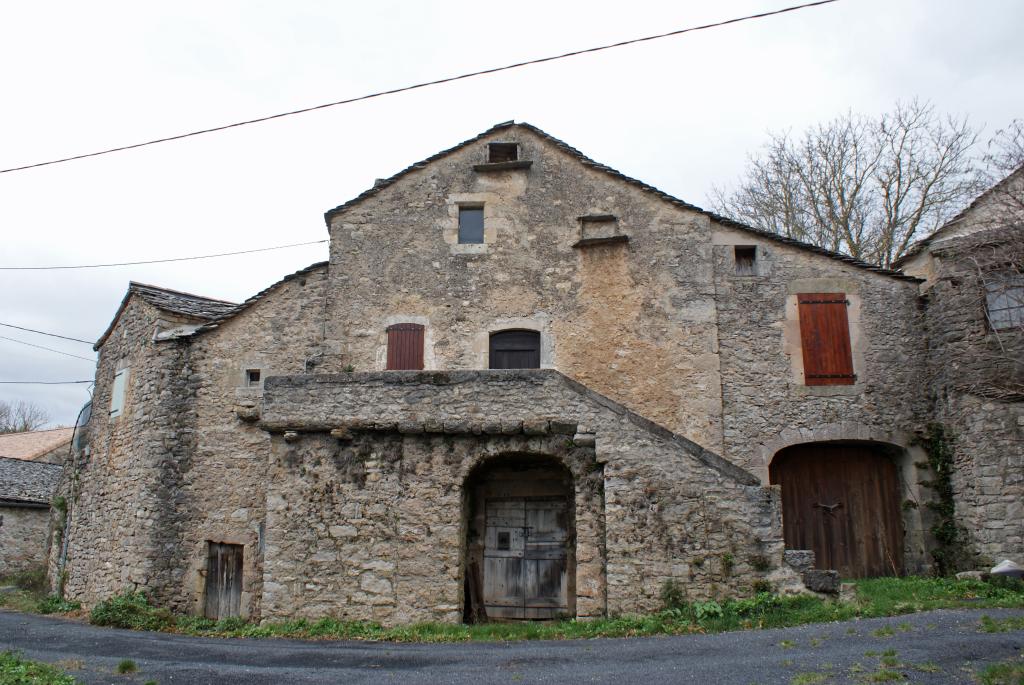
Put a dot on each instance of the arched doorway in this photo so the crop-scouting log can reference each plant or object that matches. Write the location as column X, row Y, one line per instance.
column 520, row 540
column 842, row 500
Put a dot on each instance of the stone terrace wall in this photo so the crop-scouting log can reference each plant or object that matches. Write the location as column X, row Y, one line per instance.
column 672, row 510
column 634, row 321
column 23, row 536
column 763, row 393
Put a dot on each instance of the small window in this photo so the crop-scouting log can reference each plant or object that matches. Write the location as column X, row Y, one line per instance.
column 504, row 541
column 405, row 347
column 746, row 260
column 502, row 152
column 117, row 393
column 1004, row 301
column 471, row 225
column 825, row 339
column 515, row 350
column 252, row 378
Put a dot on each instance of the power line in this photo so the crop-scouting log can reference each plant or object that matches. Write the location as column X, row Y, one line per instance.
column 52, row 335
column 48, row 349
column 424, row 84
column 159, row 261
column 42, row 382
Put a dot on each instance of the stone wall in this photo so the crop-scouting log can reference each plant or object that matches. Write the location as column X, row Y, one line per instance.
column 364, row 464
column 977, row 378
column 763, row 390
column 635, row 321
column 23, row 535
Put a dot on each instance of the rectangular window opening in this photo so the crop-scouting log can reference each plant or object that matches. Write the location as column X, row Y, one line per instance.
column 502, row 152
column 471, row 225
column 504, row 541
column 252, row 378
column 746, row 260
column 117, row 393
column 1004, row 301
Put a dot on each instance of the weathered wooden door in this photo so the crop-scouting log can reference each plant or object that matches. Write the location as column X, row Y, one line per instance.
column 842, row 501
column 223, row 580
column 515, row 349
column 525, row 558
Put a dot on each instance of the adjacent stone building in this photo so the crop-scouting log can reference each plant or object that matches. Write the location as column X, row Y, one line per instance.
column 524, row 385
column 25, row 491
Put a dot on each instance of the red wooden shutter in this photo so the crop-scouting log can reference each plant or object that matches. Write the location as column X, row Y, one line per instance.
column 825, row 338
column 405, row 346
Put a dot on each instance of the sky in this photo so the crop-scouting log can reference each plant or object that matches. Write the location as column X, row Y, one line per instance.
column 681, row 113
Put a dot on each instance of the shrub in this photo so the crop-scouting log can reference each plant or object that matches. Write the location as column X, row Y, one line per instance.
column 55, row 604
column 131, row 610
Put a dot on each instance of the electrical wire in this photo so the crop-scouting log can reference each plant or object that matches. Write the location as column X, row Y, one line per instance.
column 43, row 382
column 159, row 261
column 424, row 84
column 48, row 349
column 52, row 335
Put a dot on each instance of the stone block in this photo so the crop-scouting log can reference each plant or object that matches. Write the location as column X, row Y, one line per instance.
column 826, row 582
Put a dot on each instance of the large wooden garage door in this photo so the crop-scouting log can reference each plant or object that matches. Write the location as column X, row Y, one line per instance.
column 842, row 501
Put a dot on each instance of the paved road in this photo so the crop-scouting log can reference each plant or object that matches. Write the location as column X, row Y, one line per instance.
column 933, row 647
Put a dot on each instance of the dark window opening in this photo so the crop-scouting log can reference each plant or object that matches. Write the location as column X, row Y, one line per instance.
column 504, row 541
column 405, row 347
column 252, row 377
column 502, row 152
column 825, row 339
column 471, row 225
column 515, row 350
column 746, row 260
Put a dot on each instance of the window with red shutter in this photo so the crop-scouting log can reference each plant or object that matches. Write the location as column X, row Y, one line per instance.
column 405, row 346
column 825, row 339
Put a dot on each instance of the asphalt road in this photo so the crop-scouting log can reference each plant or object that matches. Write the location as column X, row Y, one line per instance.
column 933, row 647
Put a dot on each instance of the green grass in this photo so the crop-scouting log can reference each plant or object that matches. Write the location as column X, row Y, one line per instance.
column 31, row 595
column 1004, row 625
column 874, row 598
column 1005, row 673
column 125, row 666
column 15, row 670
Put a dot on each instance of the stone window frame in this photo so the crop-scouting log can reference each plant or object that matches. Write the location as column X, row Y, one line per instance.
column 481, row 347
column 493, row 223
column 1006, row 288
column 793, row 341
column 381, row 351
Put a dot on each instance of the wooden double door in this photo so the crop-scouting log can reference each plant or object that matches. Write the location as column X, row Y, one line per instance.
column 525, row 558
column 843, row 502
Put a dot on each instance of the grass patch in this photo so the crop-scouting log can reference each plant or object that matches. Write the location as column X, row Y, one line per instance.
column 1005, row 673
column 125, row 666
column 31, row 595
column 874, row 598
column 15, row 670
column 884, row 675
column 1002, row 625
column 811, row 678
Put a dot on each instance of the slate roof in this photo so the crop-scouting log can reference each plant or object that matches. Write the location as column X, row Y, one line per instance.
column 920, row 245
column 30, row 445
column 27, row 481
column 586, row 161
column 172, row 301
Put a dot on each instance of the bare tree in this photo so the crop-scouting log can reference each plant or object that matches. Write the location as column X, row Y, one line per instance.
column 21, row 416
column 867, row 187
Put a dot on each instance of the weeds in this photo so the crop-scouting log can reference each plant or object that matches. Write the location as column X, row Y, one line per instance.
column 16, row 670
column 1005, row 625
column 125, row 666
column 131, row 610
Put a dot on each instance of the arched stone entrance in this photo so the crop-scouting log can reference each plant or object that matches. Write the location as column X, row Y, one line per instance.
column 842, row 500
column 520, row 561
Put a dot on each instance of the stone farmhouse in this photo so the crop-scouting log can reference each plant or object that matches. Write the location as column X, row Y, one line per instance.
column 524, row 385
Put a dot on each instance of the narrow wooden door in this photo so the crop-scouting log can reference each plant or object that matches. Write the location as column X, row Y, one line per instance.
column 525, row 558
column 842, row 502
column 223, row 581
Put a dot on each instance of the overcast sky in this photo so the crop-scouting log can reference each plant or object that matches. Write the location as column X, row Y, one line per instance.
column 680, row 113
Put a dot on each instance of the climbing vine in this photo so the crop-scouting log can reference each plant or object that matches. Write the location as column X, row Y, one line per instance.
column 952, row 549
